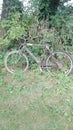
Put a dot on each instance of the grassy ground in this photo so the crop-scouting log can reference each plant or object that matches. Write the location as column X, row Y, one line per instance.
column 32, row 101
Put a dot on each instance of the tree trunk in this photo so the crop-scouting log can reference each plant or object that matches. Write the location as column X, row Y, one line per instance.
column 10, row 7
column 5, row 9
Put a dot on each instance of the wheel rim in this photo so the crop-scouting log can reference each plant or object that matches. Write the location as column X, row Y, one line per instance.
column 16, row 62
column 64, row 64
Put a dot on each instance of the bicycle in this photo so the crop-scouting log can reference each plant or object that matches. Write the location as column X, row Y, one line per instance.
column 59, row 60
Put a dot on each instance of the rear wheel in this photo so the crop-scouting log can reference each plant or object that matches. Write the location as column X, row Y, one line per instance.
column 15, row 61
column 59, row 61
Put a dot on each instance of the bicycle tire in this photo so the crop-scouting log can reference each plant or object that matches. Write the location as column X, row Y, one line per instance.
column 14, row 61
column 53, row 65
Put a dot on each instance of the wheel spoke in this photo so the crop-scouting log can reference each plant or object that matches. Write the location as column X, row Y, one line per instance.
column 59, row 61
column 15, row 62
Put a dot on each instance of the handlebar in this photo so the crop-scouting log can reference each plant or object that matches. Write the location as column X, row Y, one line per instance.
column 24, row 37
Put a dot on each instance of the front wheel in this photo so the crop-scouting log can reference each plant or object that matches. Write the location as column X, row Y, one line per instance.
column 15, row 61
column 60, row 61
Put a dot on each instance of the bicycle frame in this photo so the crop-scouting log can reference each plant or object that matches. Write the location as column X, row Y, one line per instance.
column 31, row 54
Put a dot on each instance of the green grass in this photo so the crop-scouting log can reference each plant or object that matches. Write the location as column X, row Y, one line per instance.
column 32, row 101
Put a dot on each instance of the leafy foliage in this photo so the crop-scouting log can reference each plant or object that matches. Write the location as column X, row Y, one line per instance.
column 47, row 8
column 12, row 29
column 56, row 24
